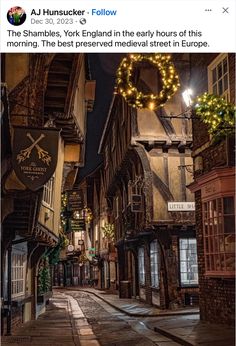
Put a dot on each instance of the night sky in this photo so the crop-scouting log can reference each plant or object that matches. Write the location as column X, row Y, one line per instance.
column 102, row 69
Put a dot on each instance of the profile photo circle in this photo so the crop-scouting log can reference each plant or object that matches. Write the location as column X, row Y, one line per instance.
column 16, row 15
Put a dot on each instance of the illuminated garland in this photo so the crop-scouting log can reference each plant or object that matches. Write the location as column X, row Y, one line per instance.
column 217, row 113
column 109, row 231
column 136, row 98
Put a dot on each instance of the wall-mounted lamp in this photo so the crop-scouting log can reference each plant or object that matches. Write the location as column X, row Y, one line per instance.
column 187, row 97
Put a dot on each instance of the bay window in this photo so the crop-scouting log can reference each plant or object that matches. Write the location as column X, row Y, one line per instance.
column 219, row 236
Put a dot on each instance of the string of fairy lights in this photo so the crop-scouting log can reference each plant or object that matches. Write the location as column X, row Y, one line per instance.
column 215, row 111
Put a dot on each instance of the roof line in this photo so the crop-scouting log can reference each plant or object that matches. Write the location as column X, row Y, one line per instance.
column 106, row 125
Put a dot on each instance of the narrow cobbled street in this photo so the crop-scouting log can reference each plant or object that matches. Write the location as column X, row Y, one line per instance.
column 113, row 328
column 76, row 318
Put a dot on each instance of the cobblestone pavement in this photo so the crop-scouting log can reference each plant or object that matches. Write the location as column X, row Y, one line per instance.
column 113, row 328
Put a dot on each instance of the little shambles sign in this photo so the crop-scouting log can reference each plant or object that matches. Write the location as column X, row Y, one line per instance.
column 35, row 155
column 181, row 206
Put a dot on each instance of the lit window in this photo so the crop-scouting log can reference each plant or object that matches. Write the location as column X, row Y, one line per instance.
column 188, row 261
column 18, row 274
column 154, row 261
column 48, row 193
column 219, row 236
column 141, row 266
column 218, row 76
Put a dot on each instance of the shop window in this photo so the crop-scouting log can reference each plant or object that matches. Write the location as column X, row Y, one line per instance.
column 188, row 262
column 141, row 266
column 18, row 274
column 219, row 236
column 154, row 261
column 48, row 190
column 218, row 76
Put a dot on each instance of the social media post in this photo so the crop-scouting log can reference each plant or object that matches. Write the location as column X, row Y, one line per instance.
column 107, row 147
column 170, row 26
column 117, row 154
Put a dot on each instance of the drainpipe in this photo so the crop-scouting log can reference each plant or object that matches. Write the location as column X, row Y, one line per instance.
column 9, row 301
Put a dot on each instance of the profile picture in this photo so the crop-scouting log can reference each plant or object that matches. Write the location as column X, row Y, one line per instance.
column 16, row 15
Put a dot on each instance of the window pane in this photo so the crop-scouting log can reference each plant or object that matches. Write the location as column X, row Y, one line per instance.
column 219, row 69
column 229, row 261
column 225, row 66
column 225, row 82
column 18, row 266
column 154, row 260
column 214, row 75
column 215, row 89
column 141, row 265
column 230, row 243
column 183, row 243
column 219, row 202
column 188, row 261
column 228, row 205
column 229, row 224
column 222, row 244
column 220, row 87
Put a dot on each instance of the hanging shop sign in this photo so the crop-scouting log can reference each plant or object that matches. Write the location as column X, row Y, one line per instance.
column 35, row 155
column 136, row 203
column 70, row 248
column 181, row 206
column 75, row 200
column 78, row 225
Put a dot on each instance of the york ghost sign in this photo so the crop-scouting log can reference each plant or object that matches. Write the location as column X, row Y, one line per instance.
column 35, row 155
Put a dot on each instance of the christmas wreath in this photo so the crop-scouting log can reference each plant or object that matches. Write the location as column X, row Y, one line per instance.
column 136, row 98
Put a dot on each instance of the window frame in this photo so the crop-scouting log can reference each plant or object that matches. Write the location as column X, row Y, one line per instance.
column 213, row 65
column 18, row 273
column 156, row 264
column 213, row 233
column 186, row 285
column 48, row 193
column 141, row 265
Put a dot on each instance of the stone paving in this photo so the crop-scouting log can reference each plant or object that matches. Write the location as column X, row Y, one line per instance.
column 189, row 330
column 133, row 307
column 113, row 328
column 182, row 326
column 58, row 326
column 79, row 318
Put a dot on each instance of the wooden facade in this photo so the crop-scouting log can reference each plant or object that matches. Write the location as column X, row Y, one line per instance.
column 44, row 90
column 145, row 158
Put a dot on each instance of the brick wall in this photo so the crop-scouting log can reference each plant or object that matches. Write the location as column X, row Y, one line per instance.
column 217, row 296
column 16, row 321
